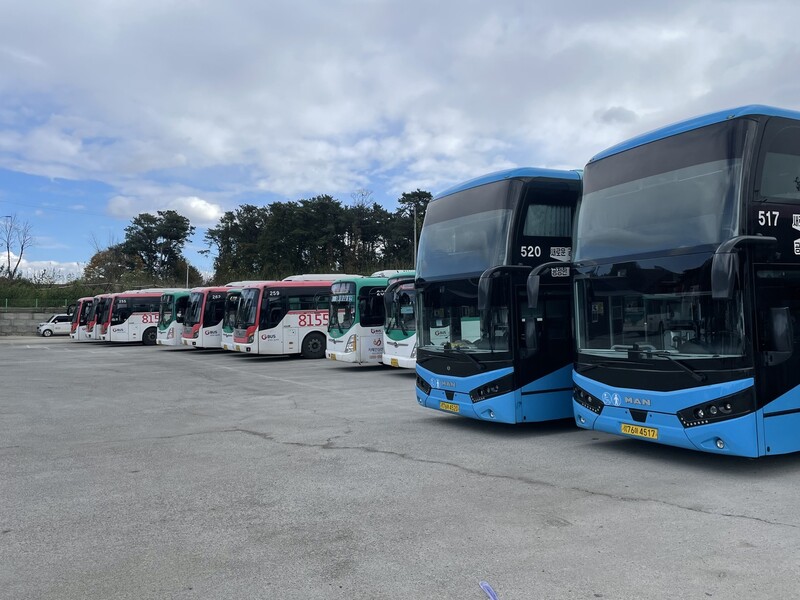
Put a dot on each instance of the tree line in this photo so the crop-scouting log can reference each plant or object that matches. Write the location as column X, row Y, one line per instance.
column 315, row 235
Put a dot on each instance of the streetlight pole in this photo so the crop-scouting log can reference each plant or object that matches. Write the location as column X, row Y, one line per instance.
column 414, row 247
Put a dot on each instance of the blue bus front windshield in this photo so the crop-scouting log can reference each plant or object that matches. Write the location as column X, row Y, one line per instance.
column 650, row 219
column 678, row 192
column 449, row 320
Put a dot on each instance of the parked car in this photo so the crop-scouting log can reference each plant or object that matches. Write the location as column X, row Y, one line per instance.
column 55, row 325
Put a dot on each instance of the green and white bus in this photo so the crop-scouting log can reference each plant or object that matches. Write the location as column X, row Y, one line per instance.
column 356, row 318
column 400, row 326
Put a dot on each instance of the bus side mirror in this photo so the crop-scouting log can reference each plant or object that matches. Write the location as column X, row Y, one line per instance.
column 531, row 337
column 484, row 293
column 179, row 317
column 387, row 304
column 725, row 264
column 781, row 334
column 533, row 283
column 70, row 309
column 724, row 268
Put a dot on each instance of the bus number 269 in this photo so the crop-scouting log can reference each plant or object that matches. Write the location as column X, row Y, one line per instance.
column 530, row 251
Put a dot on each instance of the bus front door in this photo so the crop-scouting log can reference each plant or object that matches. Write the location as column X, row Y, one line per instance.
column 291, row 342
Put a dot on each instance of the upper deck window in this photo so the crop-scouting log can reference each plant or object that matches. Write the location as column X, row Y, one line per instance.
column 780, row 172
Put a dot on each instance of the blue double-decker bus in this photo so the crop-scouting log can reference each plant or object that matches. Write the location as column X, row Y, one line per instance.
column 687, row 285
column 482, row 352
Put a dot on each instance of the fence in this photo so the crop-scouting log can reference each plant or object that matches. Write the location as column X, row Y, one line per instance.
column 35, row 303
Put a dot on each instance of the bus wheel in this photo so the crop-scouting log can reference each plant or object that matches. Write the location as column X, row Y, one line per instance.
column 313, row 346
column 149, row 337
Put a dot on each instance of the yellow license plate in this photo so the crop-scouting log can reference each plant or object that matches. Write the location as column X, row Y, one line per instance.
column 333, row 356
column 645, row 432
column 238, row 348
column 395, row 363
column 449, row 406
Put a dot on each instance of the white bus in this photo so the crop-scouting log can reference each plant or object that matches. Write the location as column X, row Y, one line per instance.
column 171, row 312
column 202, row 325
column 229, row 318
column 355, row 323
column 400, row 327
column 99, row 309
column 132, row 317
column 284, row 317
column 80, row 314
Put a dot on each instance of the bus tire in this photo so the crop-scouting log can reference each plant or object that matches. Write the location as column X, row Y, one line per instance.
column 313, row 346
column 150, row 336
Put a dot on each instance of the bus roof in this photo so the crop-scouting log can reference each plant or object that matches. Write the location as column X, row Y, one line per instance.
column 291, row 284
column 154, row 294
column 402, row 275
column 318, row 277
column 516, row 173
column 364, row 281
column 246, row 283
column 696, row 123
column 210, row 288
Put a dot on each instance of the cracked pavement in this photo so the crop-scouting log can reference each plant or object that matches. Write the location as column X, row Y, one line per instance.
column 132, row 472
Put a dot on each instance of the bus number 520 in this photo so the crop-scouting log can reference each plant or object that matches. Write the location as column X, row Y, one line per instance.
column 530, row 251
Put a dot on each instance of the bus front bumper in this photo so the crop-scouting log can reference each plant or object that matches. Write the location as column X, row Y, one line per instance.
column 402, row 362
column 736, row 437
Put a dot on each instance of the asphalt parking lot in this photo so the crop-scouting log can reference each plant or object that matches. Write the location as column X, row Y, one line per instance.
column 147, row 472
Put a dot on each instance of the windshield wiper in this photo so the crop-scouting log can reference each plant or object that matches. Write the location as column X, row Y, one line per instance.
column 480, row 365
column 695, row 375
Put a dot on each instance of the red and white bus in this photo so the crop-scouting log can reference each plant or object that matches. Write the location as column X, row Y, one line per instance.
column 80, row 312
column 132, row 317
column 202, row 325
column 284, row 317
column 100, row 307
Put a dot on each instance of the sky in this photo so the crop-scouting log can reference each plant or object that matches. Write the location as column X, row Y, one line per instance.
column 111, row 108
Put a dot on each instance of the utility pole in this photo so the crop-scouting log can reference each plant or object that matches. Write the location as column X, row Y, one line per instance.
column 414, row 247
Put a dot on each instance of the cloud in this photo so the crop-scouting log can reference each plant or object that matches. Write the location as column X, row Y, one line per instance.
column 152, row 199
column 197, row 210
column 330, row 97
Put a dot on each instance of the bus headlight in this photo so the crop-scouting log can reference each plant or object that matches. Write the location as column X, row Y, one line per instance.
column 586, row 400
column 250, row 339
column 170, row 333
column 735, row 405
column 423, row 385
column 196, row 334
column 494, row 388
column 351, row 344
column 414, row 351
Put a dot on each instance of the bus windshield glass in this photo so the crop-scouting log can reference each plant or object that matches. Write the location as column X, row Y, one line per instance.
column 401, row 309
column 655, row 313
column 466, row 232
column 678, row 192
column 165, row 309
column 248, row 308
column 195, row 309
column 231, row 307
column 343, row 306
column 450, row 320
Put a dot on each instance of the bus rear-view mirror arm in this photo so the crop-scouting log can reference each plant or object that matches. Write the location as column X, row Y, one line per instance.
column 535, row 280
column 487, row 278
column 725, row 263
